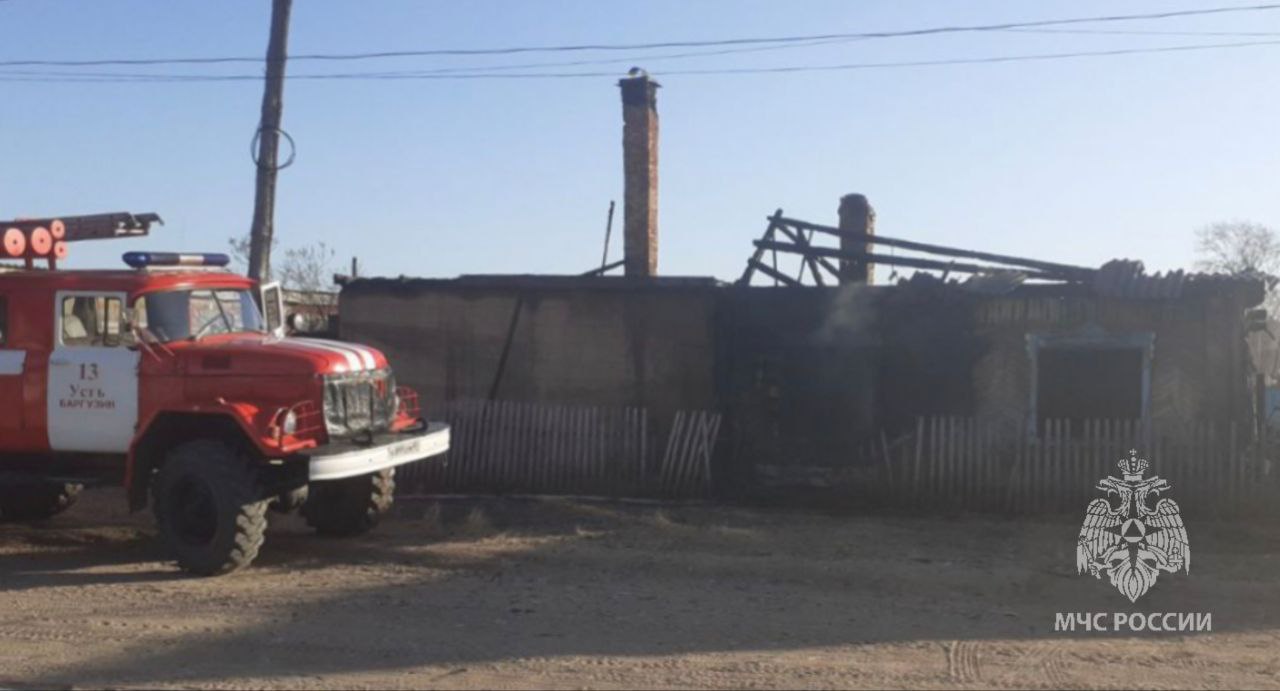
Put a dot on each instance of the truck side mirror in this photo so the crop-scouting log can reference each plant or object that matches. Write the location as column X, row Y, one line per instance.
column 271, row 299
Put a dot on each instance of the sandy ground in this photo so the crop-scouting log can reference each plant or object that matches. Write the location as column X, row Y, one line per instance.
column 572, row 594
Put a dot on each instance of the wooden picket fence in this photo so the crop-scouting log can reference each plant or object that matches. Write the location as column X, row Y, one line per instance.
column 686, row 465
column 964, row 463
column 508, row 447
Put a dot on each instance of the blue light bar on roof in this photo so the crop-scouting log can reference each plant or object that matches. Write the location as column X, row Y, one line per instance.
column 141, row 260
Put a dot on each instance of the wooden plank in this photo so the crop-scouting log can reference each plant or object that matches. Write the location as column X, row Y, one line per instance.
column 1045, row 465
column 915, row 474
column 931, row 478
column 1051, row 465
column 710, row 452
column 580, row 449
column 1013, row 489
column 693, row 465
column 888, row 260
column 769, row 232
column 545, row 452
column 550, row 436
column 624, row 470
column 886, row 464
column 665, row 469
column 1233, row 467
column 944, row 460
column 478, row 416
column 772, row 272
column 644, row 443
column 952, row 452
column 966, row 470
column 568, row 460
column 688, row 466
column 481, row 418
column 991, row 494
column 553, row 448
column 503, row 470
column 608, row 464
column 564, row 449
column 591, row 458
column 494, row 472
column 490, row 470
column 797, row 237
column 957, row 461
column 1075, row 479
column 630, row 451
column 531, row 447
column 692, row 432
column 878, row 239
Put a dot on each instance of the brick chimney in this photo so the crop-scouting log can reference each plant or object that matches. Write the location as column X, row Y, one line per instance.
column 640, row 173
column 856, row 216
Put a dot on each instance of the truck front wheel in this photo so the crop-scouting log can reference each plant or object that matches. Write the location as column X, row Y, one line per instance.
column 351, row 506
column 34, row 502
column 208, row 509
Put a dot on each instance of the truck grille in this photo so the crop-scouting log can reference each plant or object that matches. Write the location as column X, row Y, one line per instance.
column 359, row 402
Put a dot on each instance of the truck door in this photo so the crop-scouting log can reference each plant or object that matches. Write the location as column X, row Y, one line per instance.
column 12, row 361
column 92, row 399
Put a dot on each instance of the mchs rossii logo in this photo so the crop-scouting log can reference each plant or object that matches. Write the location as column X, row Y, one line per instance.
column 1137, row 537
column 1131, row 535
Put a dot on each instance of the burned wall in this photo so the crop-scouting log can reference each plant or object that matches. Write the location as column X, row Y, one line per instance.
column 1196, row 360
column 816, row 377
column 590, row 341
column 807, row 377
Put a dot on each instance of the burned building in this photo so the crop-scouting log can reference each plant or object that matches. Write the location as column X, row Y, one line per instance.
column 807, row 375
column 978, row 364
column 819, row 367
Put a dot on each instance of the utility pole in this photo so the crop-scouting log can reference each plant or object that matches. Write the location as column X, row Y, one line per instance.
column 264, row 203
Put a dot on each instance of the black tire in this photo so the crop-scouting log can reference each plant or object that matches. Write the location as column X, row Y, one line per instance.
column 208, row 508
column 351, row 506
column 38, row 501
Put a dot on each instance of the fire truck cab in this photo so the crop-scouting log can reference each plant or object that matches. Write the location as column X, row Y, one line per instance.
column 174, row 379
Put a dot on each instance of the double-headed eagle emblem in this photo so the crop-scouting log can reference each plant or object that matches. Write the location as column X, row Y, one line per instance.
column 1132, row 541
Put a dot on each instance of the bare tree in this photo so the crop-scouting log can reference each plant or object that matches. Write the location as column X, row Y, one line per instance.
column 308, row 268
column 307, row 276
column 1238, row 247
column 1245, row 248
column 1242, row 248
column 305, row 272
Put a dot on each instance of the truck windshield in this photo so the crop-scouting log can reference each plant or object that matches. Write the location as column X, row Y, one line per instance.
column 181, row 314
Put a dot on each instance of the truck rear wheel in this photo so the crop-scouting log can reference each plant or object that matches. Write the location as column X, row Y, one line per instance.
column 208, row 509
column 34, row 502
column 351, row 506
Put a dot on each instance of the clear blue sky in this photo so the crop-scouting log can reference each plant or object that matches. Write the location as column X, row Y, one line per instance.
column 1078, row 160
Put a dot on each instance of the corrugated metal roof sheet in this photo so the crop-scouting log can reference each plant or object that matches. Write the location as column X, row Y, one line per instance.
column 1127, row 278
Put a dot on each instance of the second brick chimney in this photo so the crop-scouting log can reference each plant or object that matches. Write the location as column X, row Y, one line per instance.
column 640, row 173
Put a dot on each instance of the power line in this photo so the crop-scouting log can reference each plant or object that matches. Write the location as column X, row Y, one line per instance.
column 1140, row 32
column 978, row 61
column 632, row 59
column 647, row 46
column 110, row 77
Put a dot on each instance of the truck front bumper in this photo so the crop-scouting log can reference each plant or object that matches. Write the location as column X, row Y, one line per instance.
column 387, row 450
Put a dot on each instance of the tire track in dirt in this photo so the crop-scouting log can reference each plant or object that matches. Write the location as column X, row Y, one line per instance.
column 963, row 663
column 1048, row 658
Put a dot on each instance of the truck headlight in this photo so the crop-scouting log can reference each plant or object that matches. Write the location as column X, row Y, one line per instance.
column 290, row 423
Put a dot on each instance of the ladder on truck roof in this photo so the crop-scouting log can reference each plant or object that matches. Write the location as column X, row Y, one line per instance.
column 45, row 238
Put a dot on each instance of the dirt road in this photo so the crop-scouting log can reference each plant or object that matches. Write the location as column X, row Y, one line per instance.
column 569, row 594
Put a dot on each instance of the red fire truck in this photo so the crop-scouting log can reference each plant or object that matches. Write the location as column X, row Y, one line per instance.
column 173, row 377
